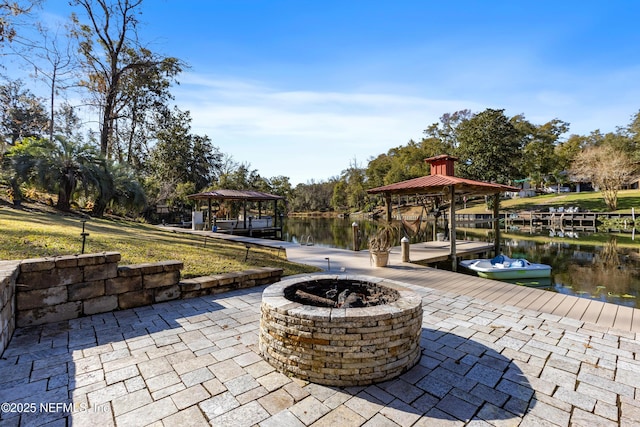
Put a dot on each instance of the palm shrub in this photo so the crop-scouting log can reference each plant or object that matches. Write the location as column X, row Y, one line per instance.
column 59, row 166
column 381, row 242
column 384, row 238
column 64, row 166
column 117, row 185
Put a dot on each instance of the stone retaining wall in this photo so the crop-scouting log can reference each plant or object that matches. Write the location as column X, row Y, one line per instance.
column 65, row 287
column 46, row 290
column 60, row 288
column 228, row 281
column 8, row 274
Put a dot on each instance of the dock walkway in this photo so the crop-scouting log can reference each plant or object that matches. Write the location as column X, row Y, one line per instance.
column 574, row 221
column 600, row 313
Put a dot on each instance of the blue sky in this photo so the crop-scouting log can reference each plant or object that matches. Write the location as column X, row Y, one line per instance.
column 304, row 88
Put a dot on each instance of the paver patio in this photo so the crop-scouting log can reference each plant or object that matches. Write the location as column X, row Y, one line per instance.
column 196, row 362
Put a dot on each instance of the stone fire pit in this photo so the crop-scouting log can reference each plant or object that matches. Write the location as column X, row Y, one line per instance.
column 340, row 330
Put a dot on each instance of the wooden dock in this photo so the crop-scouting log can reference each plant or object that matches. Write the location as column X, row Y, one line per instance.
column 602, row 314
column 578, row 221
column 432, row 252
column 261, row 232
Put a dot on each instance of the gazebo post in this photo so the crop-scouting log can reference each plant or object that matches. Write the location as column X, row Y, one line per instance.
column 244, row 213
column 435, row 227
column 209, row 214
column 275, row 214
column 452, row 228
column 387, row 201
column 496, row 224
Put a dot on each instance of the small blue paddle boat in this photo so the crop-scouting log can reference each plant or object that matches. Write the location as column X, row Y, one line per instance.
column 503, row 267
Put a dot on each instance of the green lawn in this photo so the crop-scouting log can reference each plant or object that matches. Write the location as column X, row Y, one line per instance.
column 33, row 234
column 589, row 201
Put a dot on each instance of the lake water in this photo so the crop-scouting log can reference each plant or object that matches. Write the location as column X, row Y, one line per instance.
column 607, row 272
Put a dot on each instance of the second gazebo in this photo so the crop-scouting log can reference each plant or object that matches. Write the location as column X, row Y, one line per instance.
column 442, row 182
column 262, row 225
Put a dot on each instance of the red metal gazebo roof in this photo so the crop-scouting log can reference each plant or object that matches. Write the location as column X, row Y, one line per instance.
column 440, row 181
column 436, row 184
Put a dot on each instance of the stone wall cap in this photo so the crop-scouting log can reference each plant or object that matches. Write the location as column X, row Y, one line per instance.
column 66, row 261
column 8, row 265
column 145, row 268
column 91, row 259
column 129, row 271
column 37, row 264
column 113, row 256
column 172, row 265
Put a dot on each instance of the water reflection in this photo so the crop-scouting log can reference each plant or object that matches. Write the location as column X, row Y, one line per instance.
column 539, row 282
column 328, row 232
column 338, row 232
column 607, row 272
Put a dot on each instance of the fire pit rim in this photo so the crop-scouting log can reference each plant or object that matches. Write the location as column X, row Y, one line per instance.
column 273, row 296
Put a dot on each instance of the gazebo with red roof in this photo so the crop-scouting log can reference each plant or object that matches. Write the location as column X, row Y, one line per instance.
column 442, row 181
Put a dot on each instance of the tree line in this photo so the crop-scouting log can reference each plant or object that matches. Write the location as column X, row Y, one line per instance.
column 143, row 152
column 491, row 147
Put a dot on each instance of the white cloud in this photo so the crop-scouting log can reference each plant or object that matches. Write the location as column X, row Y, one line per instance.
column 304, row 134
column 313, row 134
